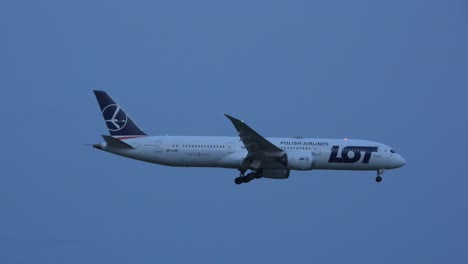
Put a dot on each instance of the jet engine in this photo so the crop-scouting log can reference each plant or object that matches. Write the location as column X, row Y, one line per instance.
column 275, row 173
column 298, row 160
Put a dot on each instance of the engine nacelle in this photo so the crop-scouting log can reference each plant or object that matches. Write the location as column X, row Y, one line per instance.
column 299, row 160
column 275, row 173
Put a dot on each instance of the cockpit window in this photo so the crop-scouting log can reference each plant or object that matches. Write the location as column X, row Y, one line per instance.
column 392, row 151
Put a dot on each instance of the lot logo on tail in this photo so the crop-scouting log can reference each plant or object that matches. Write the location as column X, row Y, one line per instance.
column 115, row 117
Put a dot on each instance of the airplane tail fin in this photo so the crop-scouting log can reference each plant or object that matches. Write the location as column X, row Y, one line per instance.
column 117, row 121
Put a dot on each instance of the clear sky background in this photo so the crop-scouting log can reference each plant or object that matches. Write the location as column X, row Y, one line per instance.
column 390, row 71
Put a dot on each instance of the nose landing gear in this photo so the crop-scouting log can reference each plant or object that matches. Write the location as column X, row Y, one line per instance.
column 379, row 177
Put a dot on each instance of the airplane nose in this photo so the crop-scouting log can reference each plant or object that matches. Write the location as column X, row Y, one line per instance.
column 401, row 161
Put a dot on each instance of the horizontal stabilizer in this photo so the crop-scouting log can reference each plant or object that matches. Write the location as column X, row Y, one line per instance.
column 116, row 143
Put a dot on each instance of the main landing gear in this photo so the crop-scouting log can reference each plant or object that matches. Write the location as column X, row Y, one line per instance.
column 379, row 177
column 247, row 178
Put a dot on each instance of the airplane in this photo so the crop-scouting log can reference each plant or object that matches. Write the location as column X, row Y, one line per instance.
column 253, row 155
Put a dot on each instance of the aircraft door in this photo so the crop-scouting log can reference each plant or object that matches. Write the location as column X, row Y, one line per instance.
column 317, row 150
column 230, row 147
column 158, row 146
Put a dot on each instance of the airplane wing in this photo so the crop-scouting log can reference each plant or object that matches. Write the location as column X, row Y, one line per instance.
column 254, row 142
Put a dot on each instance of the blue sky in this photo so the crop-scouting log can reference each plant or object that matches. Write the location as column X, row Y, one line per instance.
column 389, row 71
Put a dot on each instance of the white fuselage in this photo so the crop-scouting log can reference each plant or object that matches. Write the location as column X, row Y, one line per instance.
column 229, row 152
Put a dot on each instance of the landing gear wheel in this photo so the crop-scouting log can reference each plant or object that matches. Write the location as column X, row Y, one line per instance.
column 378, row 179
column 239, row 180
column 247, row 178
